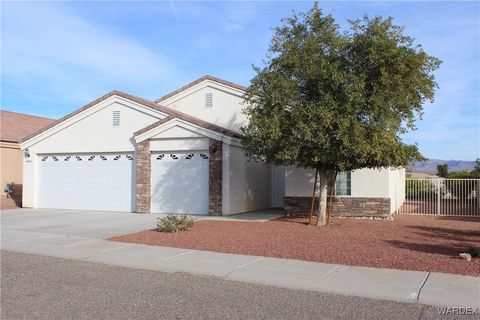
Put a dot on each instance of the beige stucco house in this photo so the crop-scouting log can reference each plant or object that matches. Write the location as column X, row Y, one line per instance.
column 180, row 153
column 13, row 128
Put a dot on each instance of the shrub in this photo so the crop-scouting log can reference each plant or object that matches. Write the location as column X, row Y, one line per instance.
column 420, row 189
column 175, row 223
column 442, row 170
column 461, row 189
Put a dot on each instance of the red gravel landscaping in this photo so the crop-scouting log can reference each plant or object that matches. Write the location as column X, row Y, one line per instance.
column 408, row 242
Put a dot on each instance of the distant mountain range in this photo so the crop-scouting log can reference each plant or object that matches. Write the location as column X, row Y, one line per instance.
column 430, row 166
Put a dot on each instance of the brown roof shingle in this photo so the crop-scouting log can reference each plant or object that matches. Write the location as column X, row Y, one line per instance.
column 15, row 126
column 205, row 77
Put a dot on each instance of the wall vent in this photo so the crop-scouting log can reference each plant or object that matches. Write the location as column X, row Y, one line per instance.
column 116, row 118
column 208, row 100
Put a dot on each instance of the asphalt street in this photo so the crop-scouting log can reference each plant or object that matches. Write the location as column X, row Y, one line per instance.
column 39, row 287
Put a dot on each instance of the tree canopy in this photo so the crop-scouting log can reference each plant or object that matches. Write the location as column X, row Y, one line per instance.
column 442, row 170
column 337, row 100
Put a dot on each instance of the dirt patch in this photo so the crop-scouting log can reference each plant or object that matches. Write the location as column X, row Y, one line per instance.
column 408, row 242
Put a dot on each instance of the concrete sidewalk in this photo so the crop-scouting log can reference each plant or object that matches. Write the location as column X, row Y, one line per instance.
column 396, row 285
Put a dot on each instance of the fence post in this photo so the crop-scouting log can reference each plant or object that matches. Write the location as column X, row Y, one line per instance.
column 438, row 196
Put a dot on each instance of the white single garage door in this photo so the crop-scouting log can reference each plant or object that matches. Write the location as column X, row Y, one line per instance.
column 180, row 182
column 101, row 182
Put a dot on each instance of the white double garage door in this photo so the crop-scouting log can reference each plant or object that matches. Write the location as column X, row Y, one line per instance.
column 106, row 182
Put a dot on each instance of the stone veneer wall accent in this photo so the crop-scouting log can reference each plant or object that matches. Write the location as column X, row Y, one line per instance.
column 342, row 206
column 215, row 178
column 143, row 172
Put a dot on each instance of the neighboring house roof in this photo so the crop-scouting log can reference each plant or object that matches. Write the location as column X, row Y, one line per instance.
column 15, row 126
column 170, row 112
column 206, row 77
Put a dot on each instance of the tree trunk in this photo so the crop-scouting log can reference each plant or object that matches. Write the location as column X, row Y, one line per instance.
column 310, row 216
column 332, row 194
column 322, row 199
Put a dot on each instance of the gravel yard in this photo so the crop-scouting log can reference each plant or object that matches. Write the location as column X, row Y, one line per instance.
column 408, row 242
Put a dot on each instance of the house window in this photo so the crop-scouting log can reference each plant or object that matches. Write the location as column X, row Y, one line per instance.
column 344, row 184
column 208, row 100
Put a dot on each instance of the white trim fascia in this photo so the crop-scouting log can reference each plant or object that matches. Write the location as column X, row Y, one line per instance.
column 188, row 126
column 205, row 83
column 172, row 126
column 159, row 130
column 88, row 112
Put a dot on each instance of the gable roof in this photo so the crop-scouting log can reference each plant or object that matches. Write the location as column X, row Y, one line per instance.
column 15, row 126
column 204, row 78
column 198, row 122
column 170, row 112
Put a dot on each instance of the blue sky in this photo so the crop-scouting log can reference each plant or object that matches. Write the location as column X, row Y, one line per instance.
column 58, row 56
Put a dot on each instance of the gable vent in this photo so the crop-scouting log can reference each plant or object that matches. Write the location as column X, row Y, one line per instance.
column 116, row 118
column 208, row 100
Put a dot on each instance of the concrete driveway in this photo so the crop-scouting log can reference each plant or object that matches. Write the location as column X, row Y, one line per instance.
column 72, row 223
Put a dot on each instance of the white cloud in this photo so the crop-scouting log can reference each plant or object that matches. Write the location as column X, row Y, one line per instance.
column 50, row 46
column 174, row 11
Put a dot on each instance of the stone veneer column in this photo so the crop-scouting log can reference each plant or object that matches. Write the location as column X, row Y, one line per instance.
column 215, row 178
column 143, row 171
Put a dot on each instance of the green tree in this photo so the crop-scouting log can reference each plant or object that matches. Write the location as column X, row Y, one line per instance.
column 462, row 189
column 442, row 170
column 337, row 101
column 457, row 185
column 476, row 169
